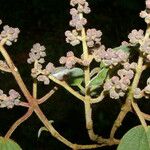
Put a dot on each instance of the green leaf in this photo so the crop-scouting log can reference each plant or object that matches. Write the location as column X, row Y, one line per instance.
column 136, row 139
column 123, row 48
column 102, row 65
column 60, row 72
column 8, row 144
column 99, row 79
column 75, row 77
column 40, row 130
column 43, row 129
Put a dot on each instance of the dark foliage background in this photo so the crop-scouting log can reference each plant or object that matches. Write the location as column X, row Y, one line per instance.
column 45, row 21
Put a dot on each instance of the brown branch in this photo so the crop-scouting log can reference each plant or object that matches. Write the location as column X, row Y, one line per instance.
column 89, row 126
column 41, row 100
column 55, row 134
column 24, row 104
column 5, row 69
column 89, row 121
column 146, row 116
column 124, row 110
column 98, row 99
column 67, row 87
column 48, row 95
column 139, row 114
column 34, row 105
column 18, row 122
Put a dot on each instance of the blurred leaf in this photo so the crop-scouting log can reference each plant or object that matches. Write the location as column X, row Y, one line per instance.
column 99, row 79
column 60, row 72
column 43, row 129
column 40, row 131
column 135, row 139
column 102, row 65
column 75, row 77
column 123, row 48
column 8, row 144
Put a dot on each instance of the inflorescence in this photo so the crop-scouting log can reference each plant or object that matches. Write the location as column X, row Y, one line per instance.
column 118, row 83
column 9, row 34
column 9, row 101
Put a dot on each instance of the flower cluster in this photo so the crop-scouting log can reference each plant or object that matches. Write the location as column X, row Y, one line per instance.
column 73, row 37
column 138, row 93
column 78, row 21
column 43, row 74
column 93, row 37
column 136, row 36
column 44, row 79
column 147, row 88
column 83, row 6
column 146, row 13
column 147, row 4
column 9, row 101
column 3, row 65
column 10, row 34
column 37, row 54
column 118, row 85
column 110, row 57
column 69, row 60
column 145, row 49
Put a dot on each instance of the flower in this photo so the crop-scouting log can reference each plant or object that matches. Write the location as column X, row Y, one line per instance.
column 10, row 34
column 69, row 60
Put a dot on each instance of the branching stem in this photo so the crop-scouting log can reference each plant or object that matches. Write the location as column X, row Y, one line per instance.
column 18, row 122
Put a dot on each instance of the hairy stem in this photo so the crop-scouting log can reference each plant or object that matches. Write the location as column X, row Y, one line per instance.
column 48, row 95
column 146, row 116
column 140, row 115
column 34, row 105
column 5, row 69
column 87, row 104
column 18, row 122
column 139, row 71
column 124, row 110
column 41, row 100
column 89, row 121
column 98, row 99
column 35, row 88
column 130, row 98
column 67, row 87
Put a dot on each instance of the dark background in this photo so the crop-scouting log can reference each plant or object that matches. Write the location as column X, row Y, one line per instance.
column 45, row 21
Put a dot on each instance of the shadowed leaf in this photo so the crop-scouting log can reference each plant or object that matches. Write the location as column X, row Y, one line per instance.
column 135, row 139
column 8, row 144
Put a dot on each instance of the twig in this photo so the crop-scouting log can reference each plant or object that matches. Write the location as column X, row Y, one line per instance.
column 34, row 105
column 98, row 99
column 124, row 110
column 89, row 121
column 94, row 71
column 35, row 88
column 24, row 104
column 67, row 87
column 5, row 69
column 48, row 95
column 146, row 116
column 129, row 99
column 41, row 100
column 140, row 115
column 18, row 122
